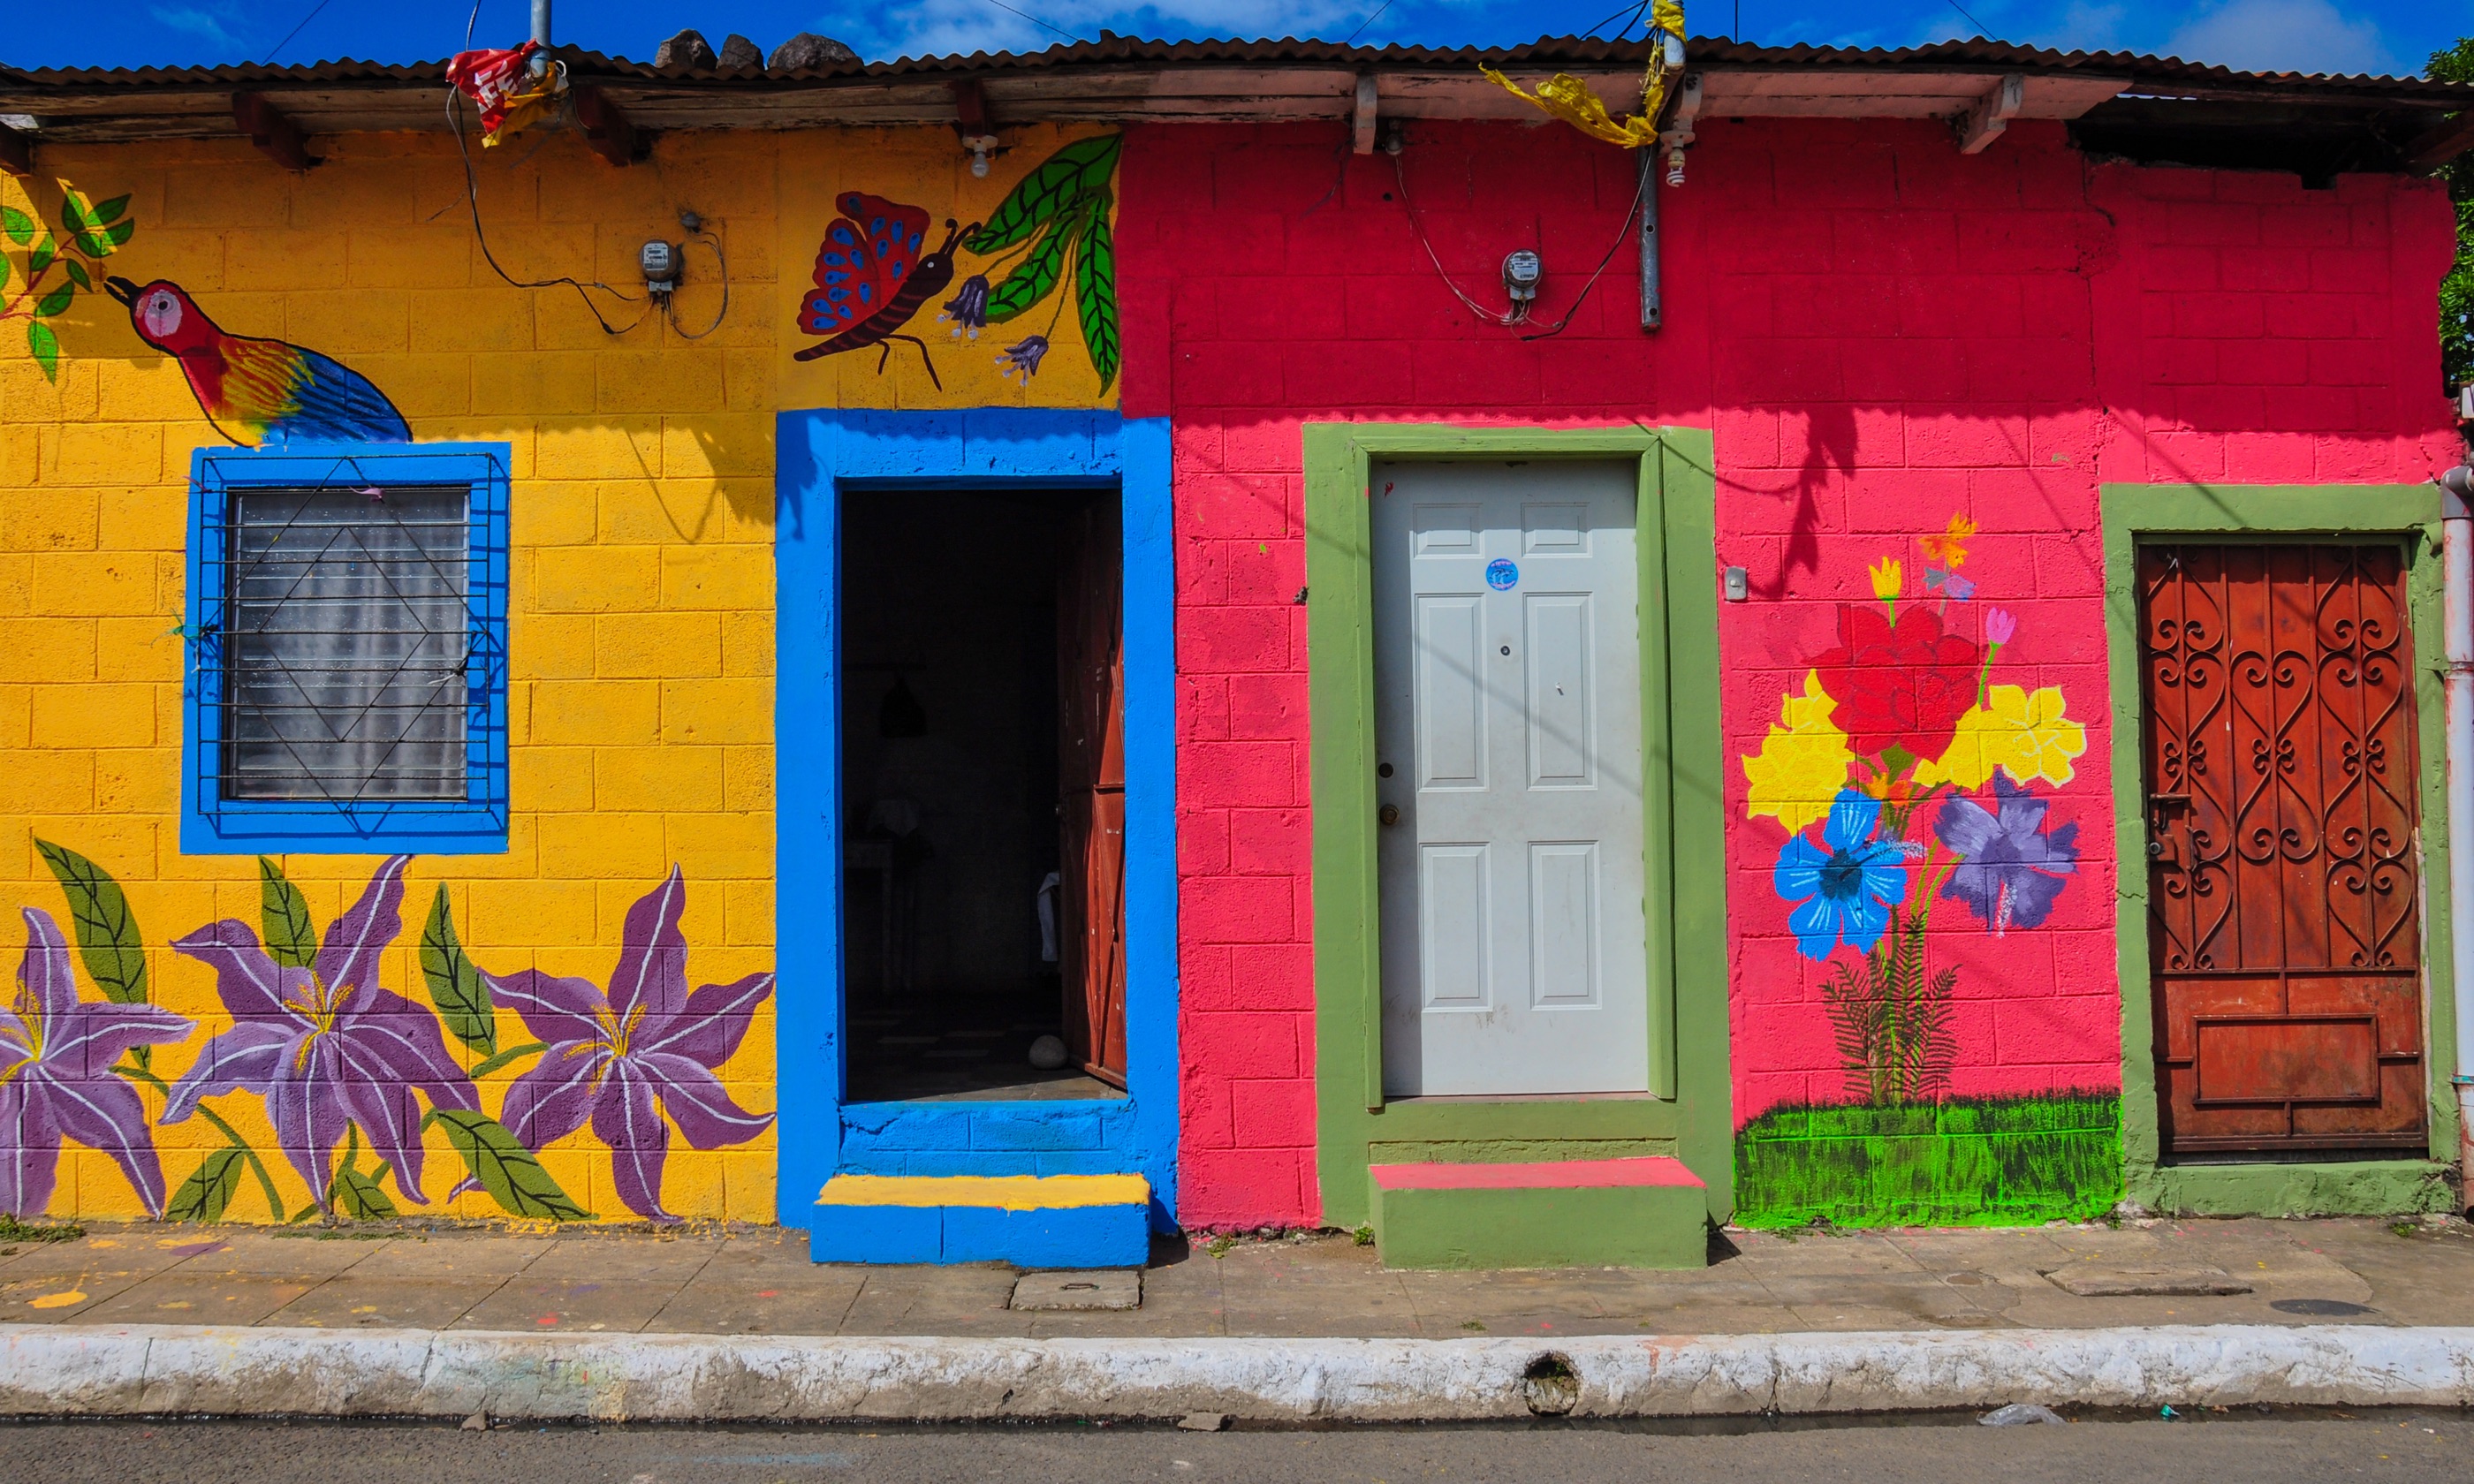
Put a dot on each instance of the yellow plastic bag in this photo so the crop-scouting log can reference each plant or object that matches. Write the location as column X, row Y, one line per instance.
column 1570, row 99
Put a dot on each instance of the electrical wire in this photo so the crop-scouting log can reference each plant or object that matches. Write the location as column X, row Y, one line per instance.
column 1035, row 20
column 1367, row 22
column 295, row 31
column 472, row 196
column 670, row 311
column 1519, row 314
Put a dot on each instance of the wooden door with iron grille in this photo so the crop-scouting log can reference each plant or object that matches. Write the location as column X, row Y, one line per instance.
column 1091, row 789
column 2282, row 865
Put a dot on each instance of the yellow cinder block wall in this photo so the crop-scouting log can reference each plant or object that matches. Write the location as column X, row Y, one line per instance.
column 642, row 626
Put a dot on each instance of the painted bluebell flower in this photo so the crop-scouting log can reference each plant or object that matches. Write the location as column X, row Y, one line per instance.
column 1844, row 888
column 324, row 1045
column 968, row 308
column 2014, row 868
column 1022, row 358
column 624, row 1056
column 56, row 1079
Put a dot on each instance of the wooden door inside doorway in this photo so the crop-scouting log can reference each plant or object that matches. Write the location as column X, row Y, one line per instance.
column 2285, row 941
column 1091, row 788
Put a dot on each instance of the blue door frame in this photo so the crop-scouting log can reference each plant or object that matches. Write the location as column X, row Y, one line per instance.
column 819, row 455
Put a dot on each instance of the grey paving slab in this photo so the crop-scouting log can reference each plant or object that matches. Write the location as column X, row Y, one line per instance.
column 182, row 1297
column 613, row 1257
column 963, row 1298
column 385, row 1304
column 525, row 1304
column 456, row 1256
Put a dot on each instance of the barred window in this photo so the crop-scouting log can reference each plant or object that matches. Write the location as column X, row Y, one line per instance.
column 348, row 629
column 347, row 643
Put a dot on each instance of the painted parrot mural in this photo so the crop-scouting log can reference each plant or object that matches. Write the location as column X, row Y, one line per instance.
column 259, row 391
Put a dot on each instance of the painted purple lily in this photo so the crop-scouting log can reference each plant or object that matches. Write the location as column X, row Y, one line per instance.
column 326, row 1046
column 624, row 1056
column 2014, row 866
column 56, row 1079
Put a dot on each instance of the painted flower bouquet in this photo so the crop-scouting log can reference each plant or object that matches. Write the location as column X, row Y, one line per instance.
column 1921, row 776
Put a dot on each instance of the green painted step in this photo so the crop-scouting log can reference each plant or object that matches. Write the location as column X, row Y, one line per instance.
column 1634, row 1213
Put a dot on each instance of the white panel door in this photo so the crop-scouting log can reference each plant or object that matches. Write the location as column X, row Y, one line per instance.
column 1507, row 677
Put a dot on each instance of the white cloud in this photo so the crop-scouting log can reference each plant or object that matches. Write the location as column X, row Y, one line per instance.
column 944, row 27
column 196, row 22
column 2283, row 35
column 2086, row 26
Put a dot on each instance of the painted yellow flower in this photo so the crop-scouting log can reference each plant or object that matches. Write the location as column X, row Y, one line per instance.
column 1802, row 764
column 1887, row 577
column 1949, row 547
column 2025, row 735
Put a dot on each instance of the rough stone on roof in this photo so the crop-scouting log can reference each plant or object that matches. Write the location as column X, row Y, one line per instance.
column 687, row 49
column 736, row 51
column 808, row 50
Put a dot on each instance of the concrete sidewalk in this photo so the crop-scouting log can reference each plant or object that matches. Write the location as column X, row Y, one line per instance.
column 759, row 1282
column 711, row 1324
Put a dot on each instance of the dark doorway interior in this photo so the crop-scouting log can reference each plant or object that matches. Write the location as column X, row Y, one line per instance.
column 972, row 790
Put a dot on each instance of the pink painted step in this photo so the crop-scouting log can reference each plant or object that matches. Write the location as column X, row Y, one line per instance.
column 1648, row 1213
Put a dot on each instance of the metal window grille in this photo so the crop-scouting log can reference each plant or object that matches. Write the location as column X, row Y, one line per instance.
column 347, row 645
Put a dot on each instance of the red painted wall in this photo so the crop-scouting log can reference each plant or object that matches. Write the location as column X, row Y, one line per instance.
column 1882, row 332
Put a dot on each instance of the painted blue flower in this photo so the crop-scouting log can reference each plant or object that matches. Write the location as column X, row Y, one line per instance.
column 1843, row 888
column 2014, row 866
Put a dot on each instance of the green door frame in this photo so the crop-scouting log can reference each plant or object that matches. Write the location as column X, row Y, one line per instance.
column 1688, row 1113
column 2411, row 512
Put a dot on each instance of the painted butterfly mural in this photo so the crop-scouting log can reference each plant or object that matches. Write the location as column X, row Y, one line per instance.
column 1052, row 231
column 871, row 279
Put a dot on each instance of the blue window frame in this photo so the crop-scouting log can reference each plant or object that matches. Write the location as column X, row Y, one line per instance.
column 347, row 620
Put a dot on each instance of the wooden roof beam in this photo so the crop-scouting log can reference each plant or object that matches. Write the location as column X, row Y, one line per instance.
column 276, row 137
column 1985, row 118
column 16, row 151
column 2436, row 147
column 607, row 130
column 1363, row 118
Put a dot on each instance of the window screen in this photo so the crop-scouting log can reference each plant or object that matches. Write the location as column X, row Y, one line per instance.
column 347, row 644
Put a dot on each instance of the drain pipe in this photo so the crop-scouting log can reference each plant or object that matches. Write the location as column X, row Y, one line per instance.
column 2456, row 528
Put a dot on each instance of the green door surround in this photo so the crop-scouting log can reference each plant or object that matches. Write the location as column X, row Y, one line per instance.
column 2409, row 512
column 1688, row 1113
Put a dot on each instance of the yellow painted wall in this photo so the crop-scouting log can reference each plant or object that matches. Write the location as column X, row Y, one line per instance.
column 642, row 626
column 640, row 704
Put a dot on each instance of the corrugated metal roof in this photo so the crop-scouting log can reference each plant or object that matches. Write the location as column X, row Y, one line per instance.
column 1110, row 49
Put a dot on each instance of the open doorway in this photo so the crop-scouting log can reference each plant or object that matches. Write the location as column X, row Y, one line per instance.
column 983, row 789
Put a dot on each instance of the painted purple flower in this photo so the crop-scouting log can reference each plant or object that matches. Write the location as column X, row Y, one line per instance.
column 626, row 1056
column 1999, row 625
column 968, row 308
column 2013, row 867
column 324, row 1045
column 55, row 1078
column 1022, row 358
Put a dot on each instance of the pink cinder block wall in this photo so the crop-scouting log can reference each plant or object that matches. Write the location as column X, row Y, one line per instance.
column 1882, row 332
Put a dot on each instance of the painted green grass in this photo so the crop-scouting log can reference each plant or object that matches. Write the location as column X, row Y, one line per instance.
column 1962, row 1162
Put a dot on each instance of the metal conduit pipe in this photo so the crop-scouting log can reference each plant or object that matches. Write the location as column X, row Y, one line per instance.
column 2456, row 528
column 540, row 33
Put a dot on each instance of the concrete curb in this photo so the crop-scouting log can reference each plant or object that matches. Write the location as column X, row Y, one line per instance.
column 159, row 1369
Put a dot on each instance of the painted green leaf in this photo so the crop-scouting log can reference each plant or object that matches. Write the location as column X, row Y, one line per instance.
column 4, row 272
column 283, row 918
column 45, row 252
column 108, row 212
column 1095, row 290
column 456, row 986
column 358, row 1196
column 108, row 939
column 504, row 1167
column 55, row 300
column 1031, row 280
column 1049, row 192
column 118, row 233
column 19, row 227
column 46, row 349
column 203, row 1195
column 73, row 210
column 77, row 274
column 92, row 244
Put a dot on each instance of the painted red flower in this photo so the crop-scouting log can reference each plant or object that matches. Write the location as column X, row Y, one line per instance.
column 1902, row 684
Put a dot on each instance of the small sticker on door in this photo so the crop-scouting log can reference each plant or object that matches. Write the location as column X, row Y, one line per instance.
column 1501, row 575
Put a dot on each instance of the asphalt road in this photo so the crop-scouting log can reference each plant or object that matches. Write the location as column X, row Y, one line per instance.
column 2247, row 1449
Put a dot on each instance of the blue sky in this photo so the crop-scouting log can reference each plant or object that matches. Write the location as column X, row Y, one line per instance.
column 2317, row 35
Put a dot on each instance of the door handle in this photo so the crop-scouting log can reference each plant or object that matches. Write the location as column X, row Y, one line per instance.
column 1388, row 814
